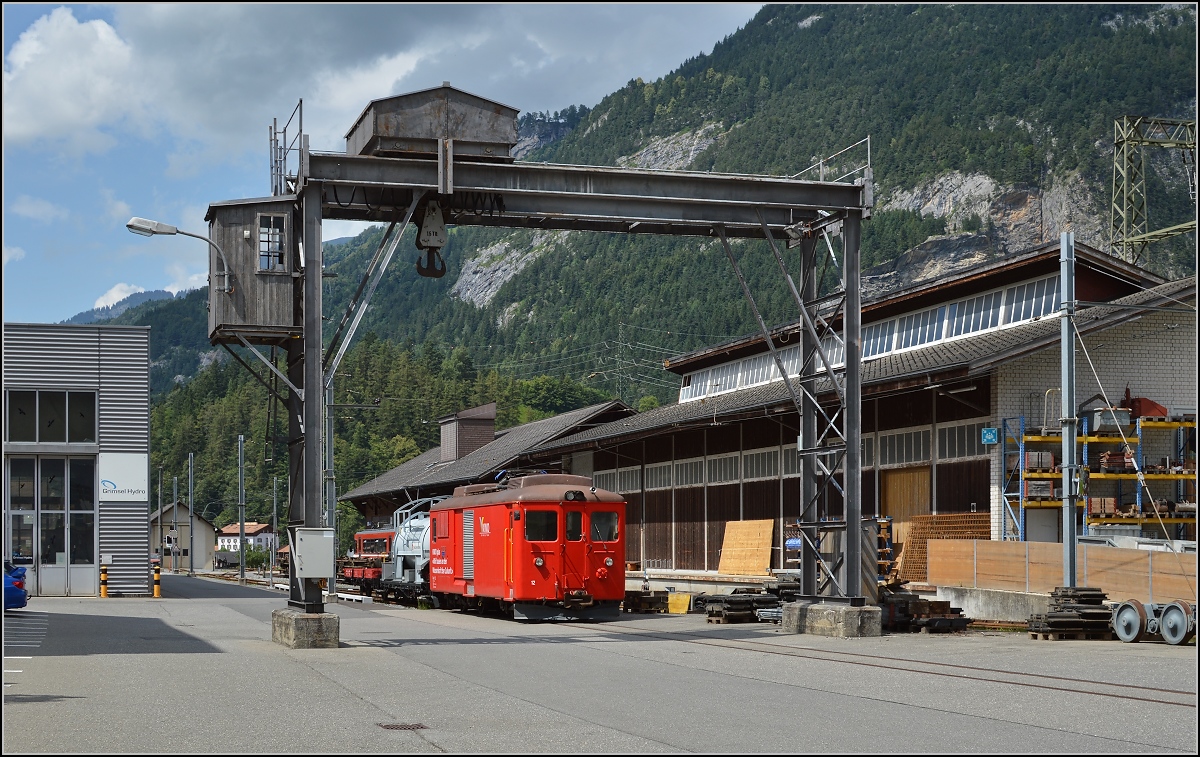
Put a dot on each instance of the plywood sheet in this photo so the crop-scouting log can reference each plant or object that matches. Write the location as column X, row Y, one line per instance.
column 951, row 562
column 1174, row 576
column 1046, row 567
column 746, row 548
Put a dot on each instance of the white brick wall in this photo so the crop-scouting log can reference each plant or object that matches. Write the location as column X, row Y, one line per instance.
column 1155, row 356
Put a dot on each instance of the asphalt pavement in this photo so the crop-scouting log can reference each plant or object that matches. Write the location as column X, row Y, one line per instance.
column 196, row 672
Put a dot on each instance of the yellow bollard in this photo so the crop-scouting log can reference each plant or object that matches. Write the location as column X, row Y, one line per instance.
column 103, row 581
column 157, row 585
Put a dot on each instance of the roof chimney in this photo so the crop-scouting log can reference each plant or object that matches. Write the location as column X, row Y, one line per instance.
column 467, row 430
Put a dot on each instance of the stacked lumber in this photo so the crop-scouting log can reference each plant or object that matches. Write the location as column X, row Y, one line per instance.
column 913, row 565
column 1077, row 613
column 738, row 607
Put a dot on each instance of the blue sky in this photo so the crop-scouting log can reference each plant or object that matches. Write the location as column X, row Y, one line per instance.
column 117, row 110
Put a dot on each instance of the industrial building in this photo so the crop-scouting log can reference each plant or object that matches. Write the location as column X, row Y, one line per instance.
column 943, row 360
column 77, row 457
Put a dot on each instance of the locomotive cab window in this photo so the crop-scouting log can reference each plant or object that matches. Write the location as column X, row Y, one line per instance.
column 574, row 525
column 604, row 526
column 541, row 525
column 374, row 546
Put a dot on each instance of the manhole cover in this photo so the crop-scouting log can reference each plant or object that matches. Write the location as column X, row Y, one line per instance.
column 402, row 726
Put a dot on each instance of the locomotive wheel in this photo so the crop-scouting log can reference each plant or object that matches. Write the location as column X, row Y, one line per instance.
column 1129, row 624
column 1174, row 624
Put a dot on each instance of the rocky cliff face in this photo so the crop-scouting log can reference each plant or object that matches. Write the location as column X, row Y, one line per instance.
column 674, row 152
column 1016, row 218
column 537, row 134
column 483, row 275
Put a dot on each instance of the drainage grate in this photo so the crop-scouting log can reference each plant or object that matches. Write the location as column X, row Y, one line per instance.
column 403, row 726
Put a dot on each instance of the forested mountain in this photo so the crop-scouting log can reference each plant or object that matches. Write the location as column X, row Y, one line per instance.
column 994, row 119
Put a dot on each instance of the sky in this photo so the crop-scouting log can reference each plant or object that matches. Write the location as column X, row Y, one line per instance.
column 120, row 110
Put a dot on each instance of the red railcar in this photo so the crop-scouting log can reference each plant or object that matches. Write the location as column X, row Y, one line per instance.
column 548, row 546
column 362, row 566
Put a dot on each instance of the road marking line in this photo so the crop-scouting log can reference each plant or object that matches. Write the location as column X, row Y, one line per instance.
column 14, row 671
column 17, row 658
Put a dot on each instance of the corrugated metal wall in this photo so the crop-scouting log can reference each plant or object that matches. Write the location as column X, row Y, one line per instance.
column 114, row 360
column 125, row 534
column 124, row 360
column 38, row 356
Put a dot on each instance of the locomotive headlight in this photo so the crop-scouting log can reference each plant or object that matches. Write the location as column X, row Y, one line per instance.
column 608, row 561
column 539, row 561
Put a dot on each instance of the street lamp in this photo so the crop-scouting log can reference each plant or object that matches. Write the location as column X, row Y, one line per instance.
column 147, row 228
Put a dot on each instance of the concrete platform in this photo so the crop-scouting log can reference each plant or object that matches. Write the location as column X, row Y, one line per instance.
column 993, row 604
column 305, row 630
column 832, row 619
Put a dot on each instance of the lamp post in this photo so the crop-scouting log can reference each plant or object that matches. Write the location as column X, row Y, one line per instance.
column 191, row 519
column 147, row 228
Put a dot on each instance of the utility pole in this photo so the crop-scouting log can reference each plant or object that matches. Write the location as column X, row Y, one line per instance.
column 241, row 510
column 191, row 519
column 175, row 524
column 162, row 538
column 274, row 525
column 330, row 487
column 1070, row 467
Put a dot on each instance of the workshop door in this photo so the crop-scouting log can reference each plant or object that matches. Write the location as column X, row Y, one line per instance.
column 905, row 494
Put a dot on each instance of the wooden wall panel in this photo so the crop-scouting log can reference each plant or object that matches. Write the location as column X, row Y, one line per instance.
column 723, row 439
column 1121, row 573
column 1045, row 571
column 604, row 459
column 951, row 562
column 723, row 506
column 760, row 432
column 746, row 548
column 791, row 499
column 658, row 529
column 658, row 449
column 949, row 408
column 634, row 523
column 760, row 501
column 689, row 528
column 905, row 494
column 689, row 444
column 1001, row 565
column 960, row 484
column 911, row 409
column 1174, row 577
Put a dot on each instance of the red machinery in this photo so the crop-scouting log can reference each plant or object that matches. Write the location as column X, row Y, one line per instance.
column 362, row 566
column 548, row 546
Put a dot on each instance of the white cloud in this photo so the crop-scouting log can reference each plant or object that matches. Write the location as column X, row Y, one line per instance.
column 182, row 281
column 12, row 254
column 116, row 294
column 214, row 77
column 38, row 209
column 114, row 209
column 66, row 81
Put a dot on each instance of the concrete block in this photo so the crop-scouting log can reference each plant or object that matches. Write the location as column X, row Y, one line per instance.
column 305, row 630
column 993, row 604
column 832, row 619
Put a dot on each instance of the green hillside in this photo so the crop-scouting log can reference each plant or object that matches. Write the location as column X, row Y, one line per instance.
column 1025, row 95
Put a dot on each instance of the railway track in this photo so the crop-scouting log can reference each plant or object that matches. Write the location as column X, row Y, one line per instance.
column 1103, row 689
column 1087, row 686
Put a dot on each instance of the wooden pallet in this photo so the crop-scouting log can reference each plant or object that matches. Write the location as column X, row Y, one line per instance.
column 1071, row 636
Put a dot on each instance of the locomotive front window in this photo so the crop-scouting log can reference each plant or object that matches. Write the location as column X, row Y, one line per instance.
column 374, row 546
column 574, row 525
column 541, row 525
column 604, row 526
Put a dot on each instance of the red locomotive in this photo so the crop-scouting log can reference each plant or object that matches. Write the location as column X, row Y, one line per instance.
column 541, row 547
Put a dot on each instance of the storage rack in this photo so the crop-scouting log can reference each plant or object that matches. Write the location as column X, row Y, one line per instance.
column 1015, row 437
